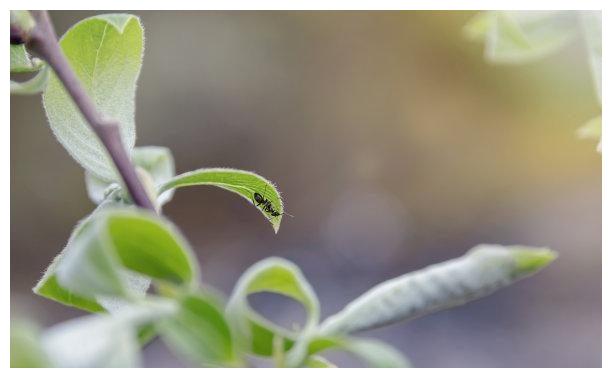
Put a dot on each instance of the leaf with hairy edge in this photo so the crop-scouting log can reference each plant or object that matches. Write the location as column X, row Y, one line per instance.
column 32, row 86
column 243, row 183
column 273, row 275
column 121, row 241
column 21, row 62
column 481, row 271
column 103, row 340
column 105, row 53
column 200, row 333
column 48, row 286
column 157, row 162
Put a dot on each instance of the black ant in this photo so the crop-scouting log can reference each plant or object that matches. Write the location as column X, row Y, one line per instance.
column 266, row 205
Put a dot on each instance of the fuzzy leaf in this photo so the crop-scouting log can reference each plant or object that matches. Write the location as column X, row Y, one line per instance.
column 257, row 334
column 157, row 162
column 32, row 86
column 48, row 286
column 103, row 340
column 105, row 52
column 200, row 333
column 21, row 61
column 481, row 271
column 120, row 244
column 243, row 183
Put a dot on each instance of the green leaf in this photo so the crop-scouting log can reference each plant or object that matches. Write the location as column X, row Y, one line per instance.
column 103, row 340
column 105, row 52
column 156, row 161
column 21, row 61
column 318, row 362
column 513, row 37
column 32, row 86
column 48, row 286
column 121, row 241
column 243, row 183
column 373, row 352
column 591, row 26
column 257, row 334
column 26, row 351
column 200, row 333
column 376, row 353
column 481, row 271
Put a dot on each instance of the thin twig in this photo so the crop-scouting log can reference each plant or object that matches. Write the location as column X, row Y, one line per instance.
column 42, row 40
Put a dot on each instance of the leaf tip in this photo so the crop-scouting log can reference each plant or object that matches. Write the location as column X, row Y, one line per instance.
column 529, row 260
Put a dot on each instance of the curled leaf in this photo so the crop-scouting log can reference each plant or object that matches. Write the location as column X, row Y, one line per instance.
column 481, row 271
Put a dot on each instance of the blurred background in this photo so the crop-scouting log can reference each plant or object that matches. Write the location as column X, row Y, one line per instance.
column 395, row 146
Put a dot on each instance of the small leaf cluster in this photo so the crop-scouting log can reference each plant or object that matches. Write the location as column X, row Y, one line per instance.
column 138, row 276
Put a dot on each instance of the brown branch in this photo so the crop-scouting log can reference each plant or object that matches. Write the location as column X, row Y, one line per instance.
column 42, row 40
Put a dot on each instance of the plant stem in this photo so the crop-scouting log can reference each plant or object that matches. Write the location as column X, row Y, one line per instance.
column 43, row 41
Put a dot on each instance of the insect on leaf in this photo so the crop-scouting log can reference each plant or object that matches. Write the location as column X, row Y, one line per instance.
column 244, row 183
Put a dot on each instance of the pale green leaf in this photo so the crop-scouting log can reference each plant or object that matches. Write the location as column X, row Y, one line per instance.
column 32, row 86
column 26, row 351
column 103, row 340
column 48, row 286
column 521, row 36
column 243, row 183
column 118, row 247
column 257, row 334
column 318, row 362
column 105, row 52
column 22, row 62
column 481, row 271
column 591, row 25
column 376, row 354
column 200, row 333
column 157, row 162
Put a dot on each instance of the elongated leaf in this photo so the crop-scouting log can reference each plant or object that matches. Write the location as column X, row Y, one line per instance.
column 257, row 334
column 26, row 351
column 200, row 333
column 103, row 340
column 156, row 161
column 481, row 271
column 243, row 183
column 521, row 36
column 106, row 53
